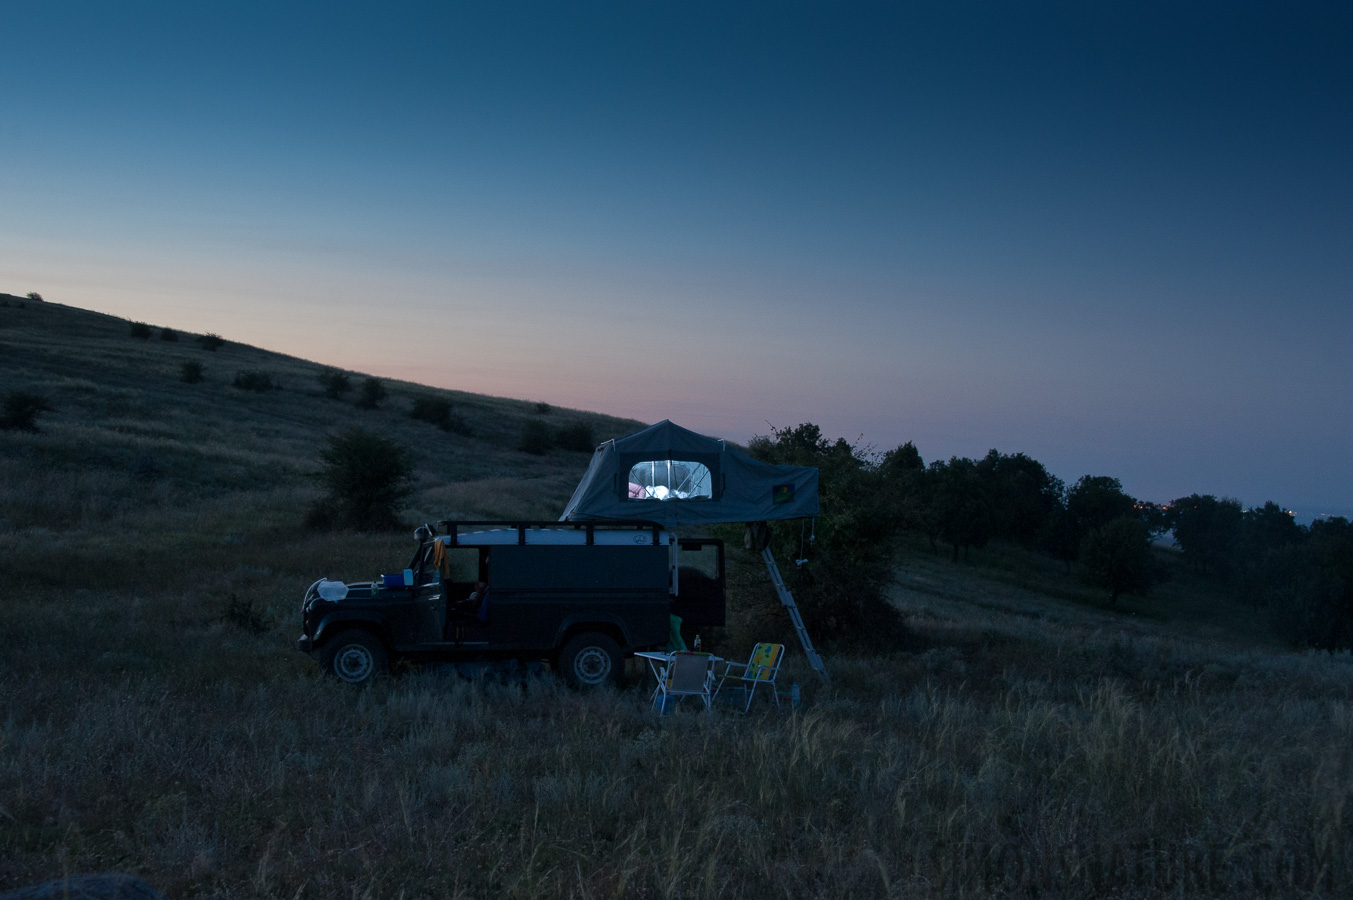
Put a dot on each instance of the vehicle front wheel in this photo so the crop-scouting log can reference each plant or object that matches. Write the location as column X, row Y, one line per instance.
column 355, row 656
column 590, row 659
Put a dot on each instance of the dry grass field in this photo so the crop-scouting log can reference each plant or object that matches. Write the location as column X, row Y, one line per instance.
column 154, row 718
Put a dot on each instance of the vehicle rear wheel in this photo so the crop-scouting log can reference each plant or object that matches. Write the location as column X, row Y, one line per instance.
column 354, row 656
column 590, row 659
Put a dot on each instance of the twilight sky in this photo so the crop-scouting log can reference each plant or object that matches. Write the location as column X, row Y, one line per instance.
column 1116, row 237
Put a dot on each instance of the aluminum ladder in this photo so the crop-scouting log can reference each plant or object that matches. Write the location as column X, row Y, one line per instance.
column 787, row 601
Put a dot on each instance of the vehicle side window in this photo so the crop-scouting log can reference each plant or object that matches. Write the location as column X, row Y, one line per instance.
column 461, row 565
column 701, row 559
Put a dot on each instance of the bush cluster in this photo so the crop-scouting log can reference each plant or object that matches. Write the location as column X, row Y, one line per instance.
column 190, row 372
column 1302, row 576
column 259, row 382
column 20, row 410
column 868, row 500
column 535, row 438
column 437, row 411
column 576, row 436
column 367, row 477
column 334, row 383
column 371, row 394
column 140, row 330
column 212, row 342
column 243, row 614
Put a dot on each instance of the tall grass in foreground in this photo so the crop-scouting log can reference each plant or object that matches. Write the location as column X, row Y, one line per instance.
column 266, row 781
column 1034, row 744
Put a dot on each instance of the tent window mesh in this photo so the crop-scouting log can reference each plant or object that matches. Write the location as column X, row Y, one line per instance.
column 670, row 479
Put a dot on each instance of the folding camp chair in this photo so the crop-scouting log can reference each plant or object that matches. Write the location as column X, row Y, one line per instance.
column 687, row 675
column 761, row 668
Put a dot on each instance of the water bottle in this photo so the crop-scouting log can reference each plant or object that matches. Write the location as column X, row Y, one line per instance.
column 795, row 698
column 696, row 645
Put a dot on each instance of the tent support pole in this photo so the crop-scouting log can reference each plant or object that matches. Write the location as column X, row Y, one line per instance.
column 787, row 601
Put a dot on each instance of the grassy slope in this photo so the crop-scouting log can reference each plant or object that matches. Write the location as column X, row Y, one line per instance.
column 148, row 725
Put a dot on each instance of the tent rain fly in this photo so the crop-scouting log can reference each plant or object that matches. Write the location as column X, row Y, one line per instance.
column 674, row 476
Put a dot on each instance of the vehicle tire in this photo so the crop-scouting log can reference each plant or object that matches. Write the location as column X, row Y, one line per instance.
column 591, row 659
column 354, row 656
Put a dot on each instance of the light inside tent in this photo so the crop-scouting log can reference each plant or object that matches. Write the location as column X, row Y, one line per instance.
column 670, row 479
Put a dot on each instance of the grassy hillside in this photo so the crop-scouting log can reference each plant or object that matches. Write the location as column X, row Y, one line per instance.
column 121, row 409
column 155, row 719
column 137, row 467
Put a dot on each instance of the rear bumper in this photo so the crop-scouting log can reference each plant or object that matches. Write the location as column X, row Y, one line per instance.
column 305, row 644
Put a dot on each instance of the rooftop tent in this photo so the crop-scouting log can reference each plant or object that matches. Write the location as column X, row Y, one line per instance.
column 673, row 476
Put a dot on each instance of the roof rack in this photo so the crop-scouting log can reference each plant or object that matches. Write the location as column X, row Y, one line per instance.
column 524, row 527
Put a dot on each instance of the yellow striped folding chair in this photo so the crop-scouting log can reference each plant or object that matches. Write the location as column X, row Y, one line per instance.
column 760, row 669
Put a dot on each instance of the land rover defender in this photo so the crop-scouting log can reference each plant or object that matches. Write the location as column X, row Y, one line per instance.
column 578, row 596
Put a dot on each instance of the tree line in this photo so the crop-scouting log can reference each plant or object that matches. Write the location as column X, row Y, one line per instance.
column 1303, row 574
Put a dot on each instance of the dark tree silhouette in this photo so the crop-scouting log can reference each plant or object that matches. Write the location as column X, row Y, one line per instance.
column 1208, row 531
column 962, row 500
column 1096, row 500
column 1023, row 496
column 838, row 579
column 1117, row 557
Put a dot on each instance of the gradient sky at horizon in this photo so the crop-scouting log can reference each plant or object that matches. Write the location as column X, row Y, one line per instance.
column 1118, row 238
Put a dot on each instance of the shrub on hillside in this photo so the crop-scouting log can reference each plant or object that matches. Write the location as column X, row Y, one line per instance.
column 212, row 342
column 367, row 476
column 190, row 372
column 437, row 411
column 259, row 382
column 35, row 296
column 542, row 409
column 243, row 614
column 334, row 383
column 371, row 394
column 20, row 411
column 140, row 330
column 168, row 334
column 839, row 587
column 576, row 436
column 535, row 438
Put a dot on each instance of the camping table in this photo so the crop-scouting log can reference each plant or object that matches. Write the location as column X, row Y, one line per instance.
column 657, row 664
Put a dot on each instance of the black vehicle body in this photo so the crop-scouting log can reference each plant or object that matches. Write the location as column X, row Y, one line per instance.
column 580, row 595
